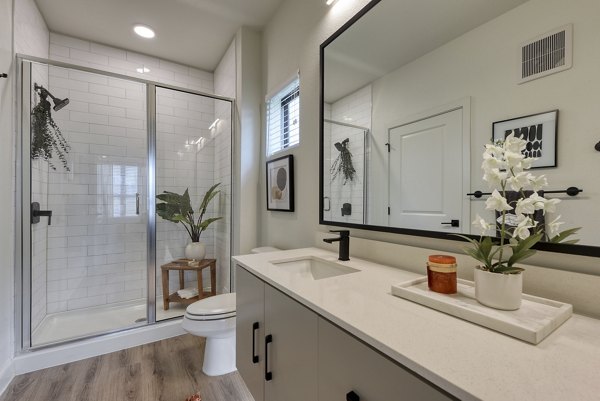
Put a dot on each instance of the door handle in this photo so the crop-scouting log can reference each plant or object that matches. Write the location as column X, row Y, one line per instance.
column 36, row 213
column 137, row 203
column 352, row 396
column 254, row 355
column 268, row 373
column 453, row 223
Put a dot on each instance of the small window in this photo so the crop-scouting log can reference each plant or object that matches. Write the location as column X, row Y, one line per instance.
column 283, row 118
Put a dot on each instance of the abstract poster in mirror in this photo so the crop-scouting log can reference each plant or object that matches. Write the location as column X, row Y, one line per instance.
column 414, row 106
column 280, row 184
column 539, row 130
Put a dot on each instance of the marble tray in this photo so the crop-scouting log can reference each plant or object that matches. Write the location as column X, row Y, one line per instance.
column 536, row 319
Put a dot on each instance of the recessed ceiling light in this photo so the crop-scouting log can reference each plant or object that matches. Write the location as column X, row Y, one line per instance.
column 144, row 31
column 143, row 70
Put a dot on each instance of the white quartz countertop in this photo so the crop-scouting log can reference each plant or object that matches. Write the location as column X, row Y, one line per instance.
column 469, row 361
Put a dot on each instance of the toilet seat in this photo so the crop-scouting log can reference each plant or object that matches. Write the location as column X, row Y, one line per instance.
column 218, row 307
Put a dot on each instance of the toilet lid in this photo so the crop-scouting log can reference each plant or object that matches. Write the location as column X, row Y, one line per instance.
column 220, row 305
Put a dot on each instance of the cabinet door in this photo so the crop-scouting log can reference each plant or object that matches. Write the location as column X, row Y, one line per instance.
column 250, row 299
column 346, row 364
column 292, row 354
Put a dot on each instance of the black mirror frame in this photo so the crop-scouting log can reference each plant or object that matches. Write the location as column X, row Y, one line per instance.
column 583, row 250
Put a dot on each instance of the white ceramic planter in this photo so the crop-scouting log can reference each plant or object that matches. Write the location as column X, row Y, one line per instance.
column 195, row 251
column 499, row 291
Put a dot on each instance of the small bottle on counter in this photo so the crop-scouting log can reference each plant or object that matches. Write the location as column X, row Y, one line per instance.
column 441, row 274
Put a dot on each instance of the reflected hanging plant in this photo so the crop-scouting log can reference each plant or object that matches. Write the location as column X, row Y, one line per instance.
column 47, row 140
column 343, row 163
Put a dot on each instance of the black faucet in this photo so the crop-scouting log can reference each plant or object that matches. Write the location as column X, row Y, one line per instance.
column 344, row 240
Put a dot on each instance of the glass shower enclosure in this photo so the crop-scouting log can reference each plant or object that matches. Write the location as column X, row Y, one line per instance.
column 95, row 150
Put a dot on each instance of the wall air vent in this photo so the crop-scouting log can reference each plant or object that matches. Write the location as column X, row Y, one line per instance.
column 546, row 54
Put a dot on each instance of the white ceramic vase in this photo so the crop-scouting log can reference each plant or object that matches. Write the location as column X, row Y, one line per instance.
column 195, row 251
column 497, row 290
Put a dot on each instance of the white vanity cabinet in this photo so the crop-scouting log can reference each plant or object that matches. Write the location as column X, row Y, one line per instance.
column 276, row 342
column 350, row 370
column 286, row 352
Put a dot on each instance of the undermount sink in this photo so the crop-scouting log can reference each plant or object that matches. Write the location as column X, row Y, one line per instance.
column 314, row 268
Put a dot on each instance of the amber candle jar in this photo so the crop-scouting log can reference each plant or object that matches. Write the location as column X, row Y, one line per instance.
column 441, row 274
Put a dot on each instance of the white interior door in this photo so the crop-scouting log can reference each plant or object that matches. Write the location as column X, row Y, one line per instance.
column 425, row 173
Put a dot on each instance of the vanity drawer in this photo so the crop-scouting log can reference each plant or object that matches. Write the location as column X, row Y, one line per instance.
column 347, row 365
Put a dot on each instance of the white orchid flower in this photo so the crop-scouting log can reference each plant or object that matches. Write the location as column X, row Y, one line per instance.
column 497, row 202
column 490, row 162
column 553, row 227
column 493, row 151
column 522, row 230
column 482, row 225
column 495, row 177
column 537, row 183
column 514, row 159
column 518, row 181
column 525, row 206
column 550, row 205
column 514, row 144
column 527, row 162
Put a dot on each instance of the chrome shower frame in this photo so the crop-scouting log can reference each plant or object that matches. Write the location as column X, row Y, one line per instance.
column 23, row 290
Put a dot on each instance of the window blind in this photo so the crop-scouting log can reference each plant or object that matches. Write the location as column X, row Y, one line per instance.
column 283, row 118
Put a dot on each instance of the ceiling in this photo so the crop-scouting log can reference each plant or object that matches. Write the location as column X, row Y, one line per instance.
column 192, row 32
column 394, row 33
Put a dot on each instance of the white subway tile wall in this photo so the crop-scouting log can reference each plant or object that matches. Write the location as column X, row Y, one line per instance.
column 94, row 253
column 96, row 244
column 353, row 109
column 31, row 37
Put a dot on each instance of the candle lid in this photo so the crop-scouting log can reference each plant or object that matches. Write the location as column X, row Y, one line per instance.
column 442, row 259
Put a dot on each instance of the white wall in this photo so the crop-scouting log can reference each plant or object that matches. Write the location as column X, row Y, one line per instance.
column 290, row 41
column 225, row 85
column 247, row 139
column 482, row 64
column 6, row 195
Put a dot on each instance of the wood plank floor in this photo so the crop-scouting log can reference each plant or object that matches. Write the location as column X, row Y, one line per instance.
column 168, row 370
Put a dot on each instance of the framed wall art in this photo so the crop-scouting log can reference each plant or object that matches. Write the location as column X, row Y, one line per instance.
column 280, row 184
column 539, row 130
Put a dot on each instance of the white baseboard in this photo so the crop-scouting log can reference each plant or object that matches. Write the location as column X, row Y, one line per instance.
column 7, row 373
column 75, row 351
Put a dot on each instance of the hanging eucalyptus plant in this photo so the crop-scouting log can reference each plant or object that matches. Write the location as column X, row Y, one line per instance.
column 47, row 140
column 343, row 163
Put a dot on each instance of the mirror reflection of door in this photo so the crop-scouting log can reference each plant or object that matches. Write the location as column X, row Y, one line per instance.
column 425, row 167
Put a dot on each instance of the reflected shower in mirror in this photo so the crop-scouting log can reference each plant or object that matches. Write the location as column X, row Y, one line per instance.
column 416, row 86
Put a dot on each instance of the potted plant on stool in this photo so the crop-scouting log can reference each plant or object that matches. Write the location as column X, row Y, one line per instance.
column 499, row 280
column 178, row 209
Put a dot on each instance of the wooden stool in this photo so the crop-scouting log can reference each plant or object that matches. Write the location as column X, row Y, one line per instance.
column 182, row 265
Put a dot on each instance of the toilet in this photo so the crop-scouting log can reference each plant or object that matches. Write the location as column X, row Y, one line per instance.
column 214, row 318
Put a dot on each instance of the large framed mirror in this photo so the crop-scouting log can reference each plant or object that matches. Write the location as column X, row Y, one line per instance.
column 411, row 92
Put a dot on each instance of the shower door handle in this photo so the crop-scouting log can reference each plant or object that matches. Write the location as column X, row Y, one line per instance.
column 36, row 213
column 137, row 203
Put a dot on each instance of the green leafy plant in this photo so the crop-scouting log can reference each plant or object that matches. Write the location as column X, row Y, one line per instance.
column 343, row 163
column 178, row 209
column 47, row 140
column 506, row 168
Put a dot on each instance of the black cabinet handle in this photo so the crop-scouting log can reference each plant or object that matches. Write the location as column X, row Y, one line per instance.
column 453, row 223
column 4, row 75
column 352, row 396
column 254, row 355
column 268, row 374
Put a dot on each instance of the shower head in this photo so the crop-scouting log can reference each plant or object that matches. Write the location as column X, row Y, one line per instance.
column 58, row 103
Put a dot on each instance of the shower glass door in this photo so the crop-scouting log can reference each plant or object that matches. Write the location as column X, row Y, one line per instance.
column 85, row 172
